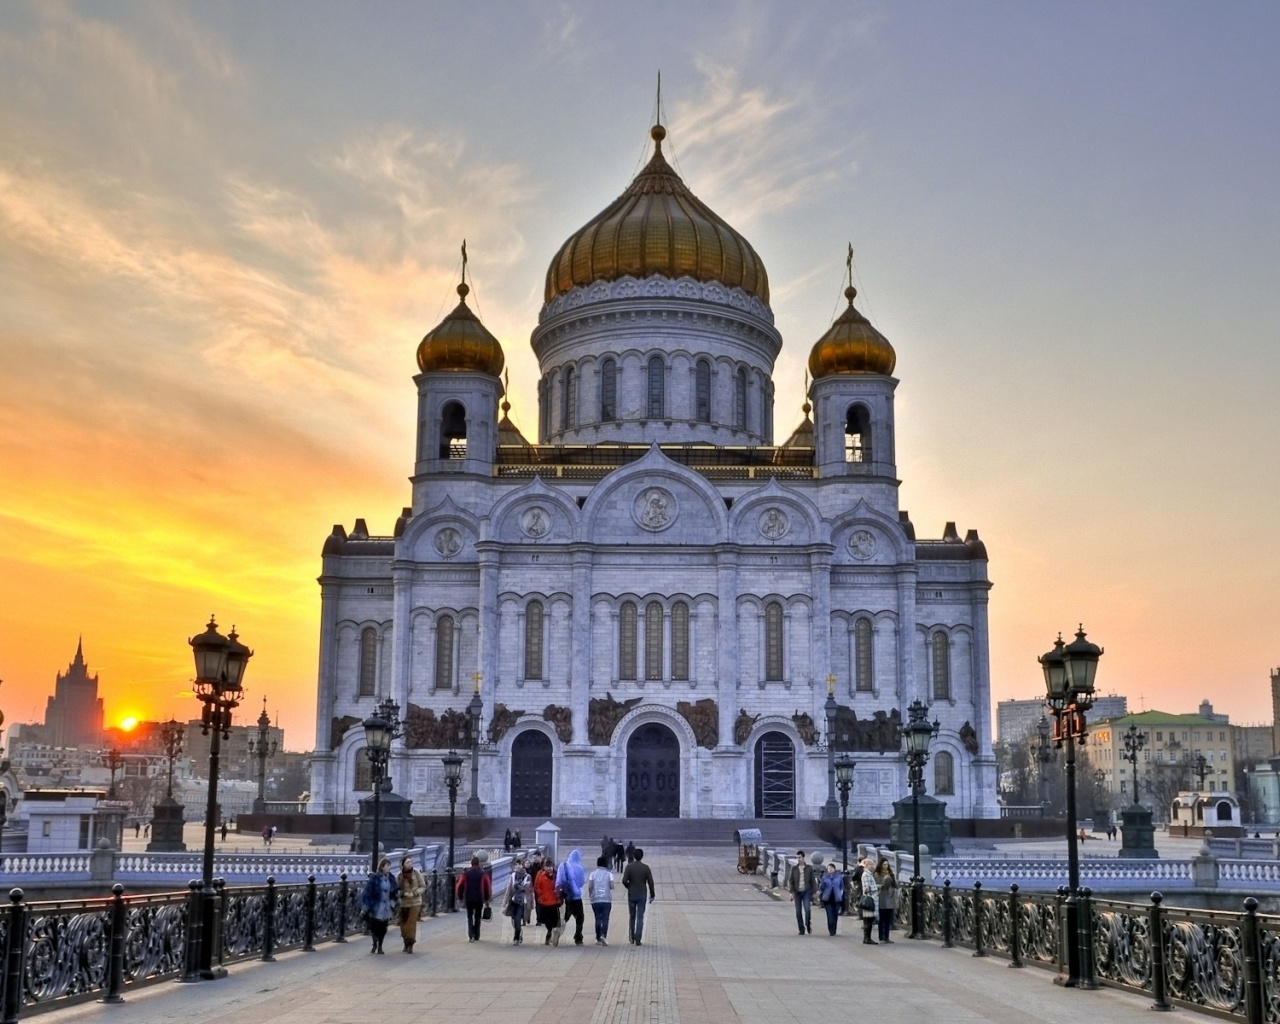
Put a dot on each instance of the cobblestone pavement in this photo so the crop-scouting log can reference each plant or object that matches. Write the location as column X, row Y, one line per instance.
column 718, row 948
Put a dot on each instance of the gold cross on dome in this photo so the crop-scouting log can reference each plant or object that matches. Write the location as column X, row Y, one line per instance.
column 831, row 684
column 475, row 678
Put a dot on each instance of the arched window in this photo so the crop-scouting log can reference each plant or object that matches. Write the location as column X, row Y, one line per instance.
column 863, row 656
column 941, row 666
column 609, row 390
column 679, row 640
column 362, row 772
column 702, row 392
column 773, row 641
column 857, row 434
column 453, row 431
column 653, row 640
column 444, row 653
column 627, row 640
column 944, row 773
column 368, row 662
column 740, row 400
column 569, row 399
column 657, row 404
column 533, row 640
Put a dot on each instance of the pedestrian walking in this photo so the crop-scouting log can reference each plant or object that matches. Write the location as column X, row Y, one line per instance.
column 516, row 902
column 410, row 884
column 887, row 886
column 570, row 878
column 869, row 900
column 635, row 878
column 507, row 840
column 831, row 893
column 224, row 831
column 630, row 851
column 375, row 902
column 547, row 901
column 802, row 883
column 600, row 888
column 137, row 830
column 474, row 889
column 266, row 836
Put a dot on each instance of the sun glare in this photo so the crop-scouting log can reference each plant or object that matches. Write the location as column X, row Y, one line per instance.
column 128, row 724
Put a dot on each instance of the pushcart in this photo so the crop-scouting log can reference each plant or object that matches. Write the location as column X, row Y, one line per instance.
column 749, row 841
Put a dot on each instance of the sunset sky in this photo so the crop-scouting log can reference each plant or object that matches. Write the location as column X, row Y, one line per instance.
column 225, row 227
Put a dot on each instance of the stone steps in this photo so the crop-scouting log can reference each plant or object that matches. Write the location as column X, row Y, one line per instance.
column 586, row 833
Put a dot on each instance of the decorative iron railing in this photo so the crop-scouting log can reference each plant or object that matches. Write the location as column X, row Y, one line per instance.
column 1222, row 962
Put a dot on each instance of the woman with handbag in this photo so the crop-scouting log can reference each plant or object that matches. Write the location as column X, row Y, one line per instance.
column 410, row 883
column 375, row 902
column 513, row 904
column 887, row 883
column 831, row 892
column 869, row 901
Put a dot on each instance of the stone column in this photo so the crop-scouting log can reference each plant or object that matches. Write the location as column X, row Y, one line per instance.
column 727, row 646
column 401, row 635
column 984, row 764
column 488, row 640
column 908, row 688
column 580, row 641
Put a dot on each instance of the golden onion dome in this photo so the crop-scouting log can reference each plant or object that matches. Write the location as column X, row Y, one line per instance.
column 851, row 345
column 461, row 342
column 657, row 226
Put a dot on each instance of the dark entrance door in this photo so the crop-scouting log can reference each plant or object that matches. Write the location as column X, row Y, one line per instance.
column 653, row 773
column 531, row 775
column 775, row 776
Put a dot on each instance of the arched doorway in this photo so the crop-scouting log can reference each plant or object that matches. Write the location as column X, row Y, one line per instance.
column 531, row 775
column 653, row 773
column 775, row 776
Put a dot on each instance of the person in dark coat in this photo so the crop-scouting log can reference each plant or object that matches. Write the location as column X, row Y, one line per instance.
column 474, row 890
column 376, row 900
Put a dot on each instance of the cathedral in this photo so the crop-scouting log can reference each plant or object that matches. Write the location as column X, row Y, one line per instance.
column 663, row 612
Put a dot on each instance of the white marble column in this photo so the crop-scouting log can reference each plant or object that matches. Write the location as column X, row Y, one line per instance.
column 488, row 639
column 580, row 645
column 727, row 653
column 908, row 683
column 401, row 635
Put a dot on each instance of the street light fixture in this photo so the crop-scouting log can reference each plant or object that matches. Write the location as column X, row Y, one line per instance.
column 380, row 729
column 452, row 778
column 1201, row 769
column 1133, row 742
column 844, row 781
column 1044, row 754
column 114, row 761
column 475, row 709
column 830, row 708
column 220, row 664
column 172, row 733
column 916, row 735
column 1069, row 671
column 264, row 748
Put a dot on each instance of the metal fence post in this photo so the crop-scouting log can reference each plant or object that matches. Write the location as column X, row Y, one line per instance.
column 219, row 919
column 1064, row 936
column 269, row 920
column 1015, row 927
column 195, row 931
column 1084, row 922
column 1159, row 976
column 1252, row 966
column 343, row 896
column 115, row 958
column 14, row 954
column 948, row 937
column 435, row 891
column 978, row 949
column 309, row 928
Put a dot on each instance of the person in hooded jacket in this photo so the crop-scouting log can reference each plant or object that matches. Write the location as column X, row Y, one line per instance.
column 570, row 878
column 519, row 893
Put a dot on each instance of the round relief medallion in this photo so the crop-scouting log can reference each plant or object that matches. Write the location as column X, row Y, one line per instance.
column 862, row 543
column 654, row 509
column 448, row 541
column 774, row 524
column 535, row 522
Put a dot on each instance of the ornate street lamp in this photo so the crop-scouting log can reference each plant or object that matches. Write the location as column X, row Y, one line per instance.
column 1201, row 769
column 452, row 777
column 172, row 733
column 113, row 762
column 830, row 808
column 167, row 814
column 916, row 735
column 475, row 709
column 220, row 664
column 1133, row 742
column 380, row 729
column 1044, row 754
column 264, row 748
column 844, row 781
column 1069, row 671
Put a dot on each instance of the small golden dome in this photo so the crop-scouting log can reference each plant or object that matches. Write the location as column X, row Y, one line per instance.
column 461, row 342
column 851, row 345
column 657, row 226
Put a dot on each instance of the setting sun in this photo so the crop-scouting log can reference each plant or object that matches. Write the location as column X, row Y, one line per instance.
column 128, row 724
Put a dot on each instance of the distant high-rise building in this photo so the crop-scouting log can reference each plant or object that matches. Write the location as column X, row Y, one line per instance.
column 73, row 716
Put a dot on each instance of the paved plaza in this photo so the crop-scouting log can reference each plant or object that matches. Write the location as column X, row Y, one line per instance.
column 718, row 948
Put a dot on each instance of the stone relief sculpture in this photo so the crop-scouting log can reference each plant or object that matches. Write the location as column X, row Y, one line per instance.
column 561, row 719
column 704, row 718
column 743, row 725
column 969, row 737
column 339, row 729
column 423, row 730
column 654, row 509
column 501, row 722
column 882, row 732
column 603, row 715
column 805, row 727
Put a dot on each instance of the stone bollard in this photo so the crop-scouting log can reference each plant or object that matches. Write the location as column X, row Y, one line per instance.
column 926, row 864
column 102, row 861
column 1204, row 869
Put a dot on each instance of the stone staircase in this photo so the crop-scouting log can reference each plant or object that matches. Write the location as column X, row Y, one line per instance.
column 586, row 833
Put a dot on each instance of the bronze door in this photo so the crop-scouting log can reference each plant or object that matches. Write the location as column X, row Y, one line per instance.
column 653, row 773
column 531, row 775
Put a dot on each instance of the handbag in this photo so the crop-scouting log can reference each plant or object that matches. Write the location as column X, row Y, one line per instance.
column 487, row 913
column 866, row 903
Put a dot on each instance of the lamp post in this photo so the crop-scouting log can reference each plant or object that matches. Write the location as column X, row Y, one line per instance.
column 262, row 749
column 380, row 729
column 172, row 733
column 475, row 709
column 114, row 761
column 1201, row 769
column 830, row 809
column 452, row 777
column 916, row 735
column 1044, row 754
column 220, row 664
column 167, row 814
column 844, row 780
column 1069, row 671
